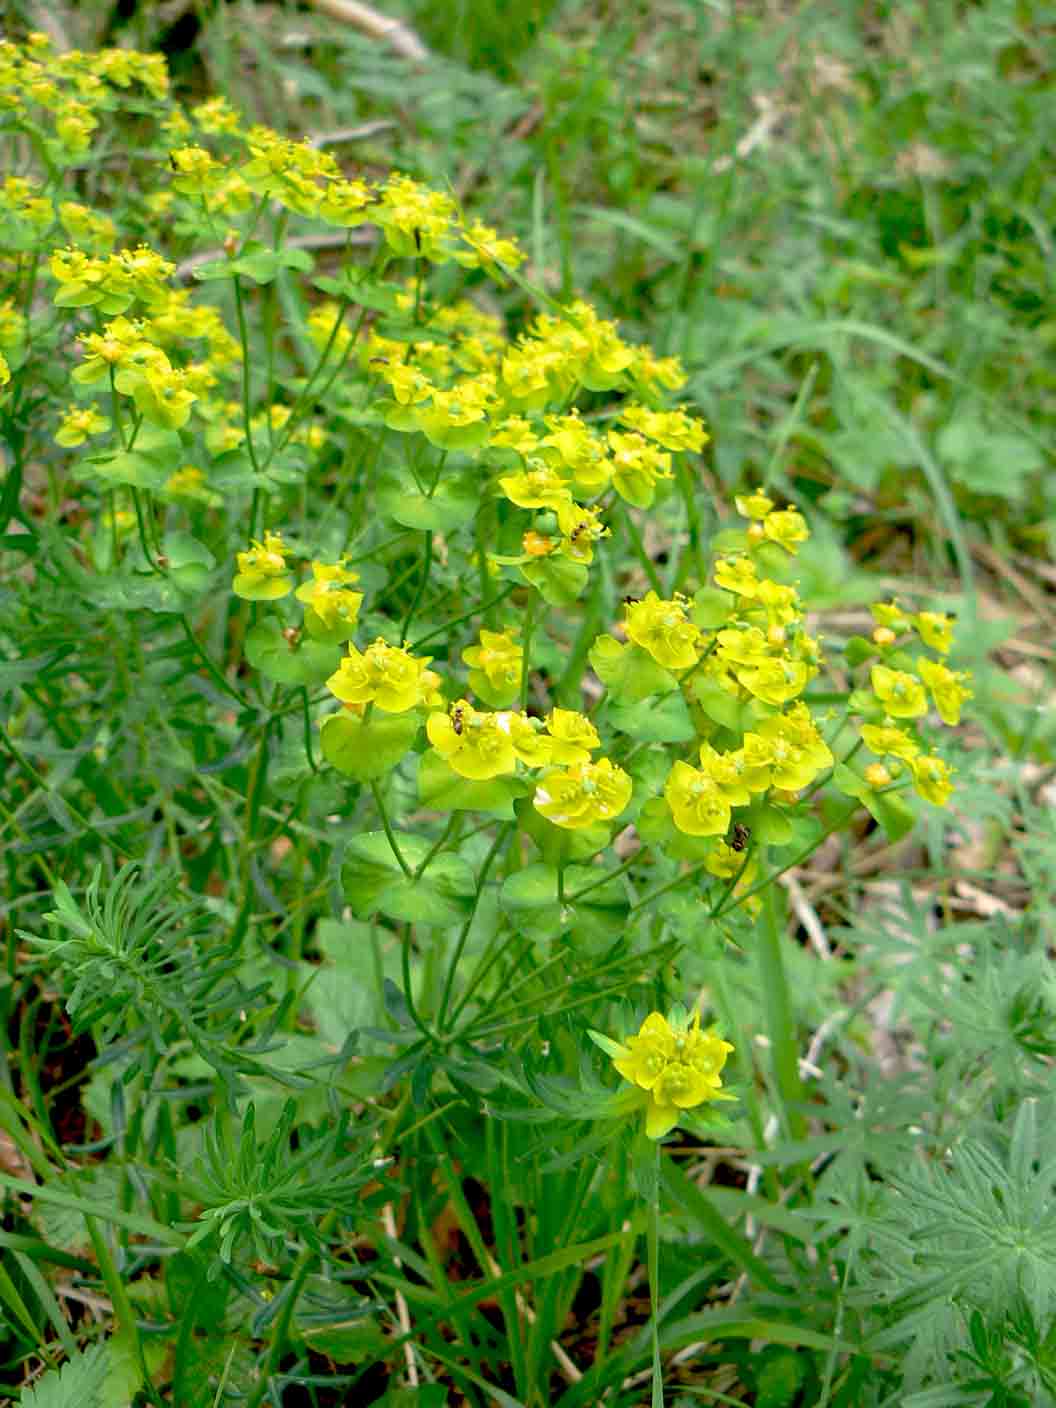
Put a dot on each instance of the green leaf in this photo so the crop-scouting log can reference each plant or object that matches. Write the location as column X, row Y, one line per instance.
column 157, row 456
column 344, row 993
column 529, row 897
column 889, row 809
column 78, row 1384
column 366, row 750
column 310, row 662
column 711, row 608
column 652, row 721
column 374, row 881
column 717, row 703
column 358, row 287
column 559, row 580
column 628, row 672
column 443, row 790
column 190, row 562
column 454, row 503
column 714, row 1227
column 257, row 262
column 769, row 825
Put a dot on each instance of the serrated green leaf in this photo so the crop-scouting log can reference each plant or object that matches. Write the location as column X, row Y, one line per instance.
column 77, row 1384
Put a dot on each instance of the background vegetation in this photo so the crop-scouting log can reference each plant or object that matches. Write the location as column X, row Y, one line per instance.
column 840, row 216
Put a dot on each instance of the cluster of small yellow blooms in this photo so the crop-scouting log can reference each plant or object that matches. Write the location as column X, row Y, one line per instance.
column 62, row 95
column 901, row 685
column 672, row 1066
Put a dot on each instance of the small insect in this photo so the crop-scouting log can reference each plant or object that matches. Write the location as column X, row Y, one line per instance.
column 417, row 239
column 456, row 719
column 739, row 837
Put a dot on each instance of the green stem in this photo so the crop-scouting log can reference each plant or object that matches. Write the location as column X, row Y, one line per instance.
column 648, row 566
column 210, row 667
column 419, row 591
column 652, row 1238
column 456, row 957
column 379, row 802
column 282, row 1324
column 526, row 660
column 123, row 1312
column 777, row 1007
column 243, row 334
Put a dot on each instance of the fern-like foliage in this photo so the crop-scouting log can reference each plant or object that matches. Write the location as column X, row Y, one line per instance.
column 145, row 972
column 78, row 1383
column 262, row 1191
column 971, row 1241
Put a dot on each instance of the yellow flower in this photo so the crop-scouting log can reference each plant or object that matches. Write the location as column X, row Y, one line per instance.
column 788, row 529
column 734, row 775
column 889, row 613
column 931, row 778
column 262, row 572
column 5, row 371
column 901, row 694
column 935, row 630
column 78, row 422
column 486, row 249
column 515, row 433
column 637, row 466
column 654, row 373
column 679, row 1065
column 890, row 741
column 332, row 609
column 797, row 751
column 473, row 744
column 737, row 574
column 196, row 172
column 573, row 737
column 579, row 450
column 947, row 689
column 163, row 397
column 583, row 794
column 582, row 528
column 755, row 506
column 538, row 486
column 498, row 658
column 663, row 629
column 774, row 681
column 675, row 430
column 877, row 775
column 345, row 203
column 697, row 805
column 414, row 219
column 530, row 743
column 385, row 675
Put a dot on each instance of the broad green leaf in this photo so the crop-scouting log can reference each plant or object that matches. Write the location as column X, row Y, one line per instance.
column 654, row 721
column 628, row 672
column 530, row 899
column 366, row 750
column 442, row 789
column 559, row 580
column 453, row 504
column 375, row 882
column 308, row 662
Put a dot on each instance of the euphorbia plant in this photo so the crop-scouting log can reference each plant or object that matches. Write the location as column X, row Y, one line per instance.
column 387, row 535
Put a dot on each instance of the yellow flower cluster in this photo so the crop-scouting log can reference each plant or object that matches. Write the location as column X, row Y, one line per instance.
column 573, row 792
column 61, row 95
column 673, row 1063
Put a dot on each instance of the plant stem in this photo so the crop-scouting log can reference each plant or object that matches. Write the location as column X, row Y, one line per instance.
column 379, row 802
column 777, row 1006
